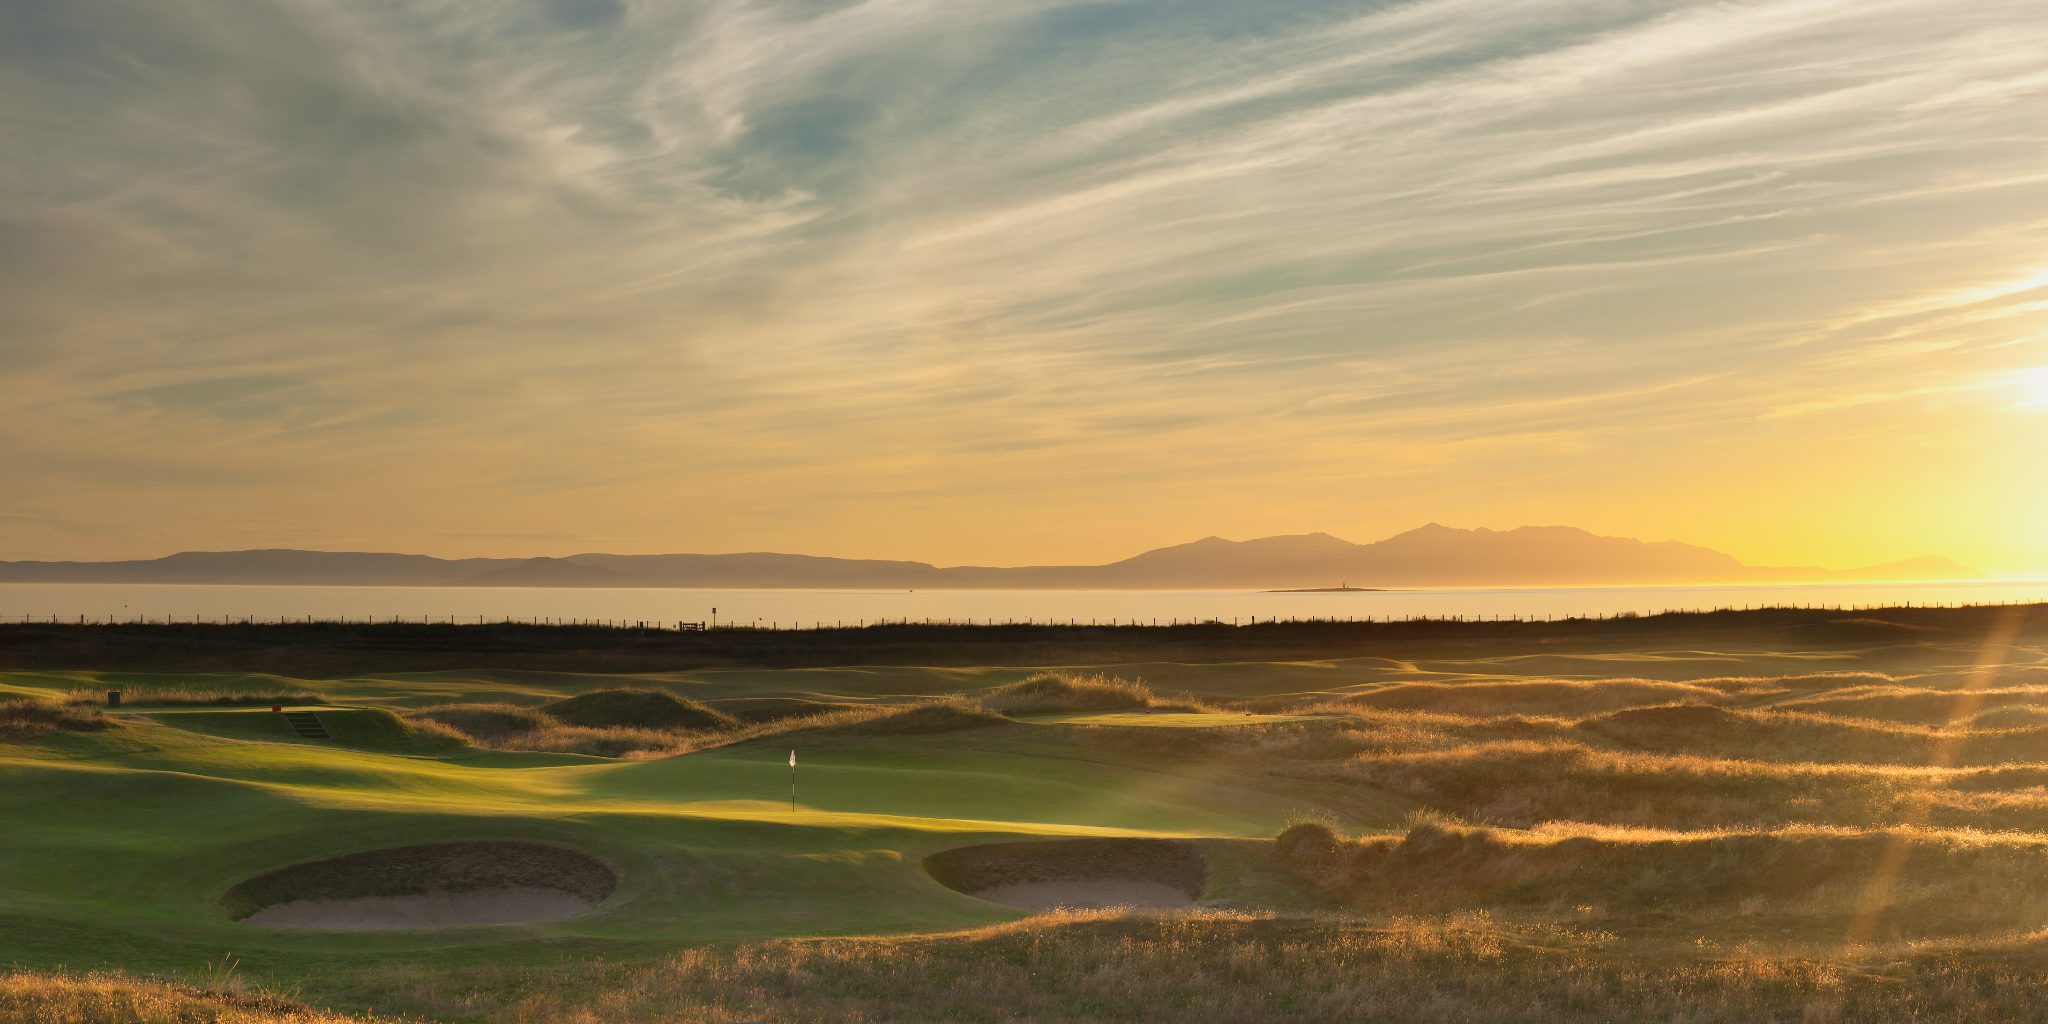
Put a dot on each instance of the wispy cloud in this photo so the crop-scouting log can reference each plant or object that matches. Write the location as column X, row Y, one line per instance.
column 1029, row 278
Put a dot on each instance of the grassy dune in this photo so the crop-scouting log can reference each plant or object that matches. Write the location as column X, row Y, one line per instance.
column 1820, row 831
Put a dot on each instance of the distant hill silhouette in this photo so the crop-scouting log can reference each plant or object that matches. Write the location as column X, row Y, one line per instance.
column 273, row 566
column 767, row 569
column 1430, row 556
column 553, row 572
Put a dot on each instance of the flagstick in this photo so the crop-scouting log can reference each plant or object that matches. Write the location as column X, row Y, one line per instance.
column 792, row 782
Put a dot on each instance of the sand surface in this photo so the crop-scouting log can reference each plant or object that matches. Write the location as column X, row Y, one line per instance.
column 440, row 910
column 1088, row 895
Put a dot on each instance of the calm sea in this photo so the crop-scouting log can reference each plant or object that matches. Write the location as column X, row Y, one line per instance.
column 810, row 608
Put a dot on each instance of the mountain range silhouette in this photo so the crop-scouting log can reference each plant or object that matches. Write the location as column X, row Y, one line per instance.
column 1429, row 556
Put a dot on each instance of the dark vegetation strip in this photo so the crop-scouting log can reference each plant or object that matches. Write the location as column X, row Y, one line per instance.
column 148, row 697
column 317, row 649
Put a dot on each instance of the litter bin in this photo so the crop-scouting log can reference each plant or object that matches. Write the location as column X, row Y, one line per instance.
column 113, row 698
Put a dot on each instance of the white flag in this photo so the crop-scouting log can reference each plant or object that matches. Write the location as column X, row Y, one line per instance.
column 792, row 759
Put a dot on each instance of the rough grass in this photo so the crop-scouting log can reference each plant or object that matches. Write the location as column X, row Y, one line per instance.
column 1052, row 692
column 653, row 723
column 636, row 709
column 510, row 727
column 1225, row 968
column 33, row 998
column 1579, row 697
column 1537, row 697
column 757, row 710
column 922, row 719
column 619, row 741
column 1791, row 735
column 31, row 719
column 429, row 734
column 1523, row 754
column 1524, row 782
column 601, row 723
column 1921, row 705
column 611, row 741
column 486, row 724
column 1101, row 967
column 1898, row 882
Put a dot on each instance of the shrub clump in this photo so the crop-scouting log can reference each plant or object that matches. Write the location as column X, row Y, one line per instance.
column 637, row 709
column 1310, row 848
column 29, row 719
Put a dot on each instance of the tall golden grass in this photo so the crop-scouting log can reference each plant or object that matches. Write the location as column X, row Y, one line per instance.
column 1523, row 753
column 1229, row 968
column 42, row 998
column 1101, row 967
column 1791, row 884
column 1051, row 692
column 25, row 719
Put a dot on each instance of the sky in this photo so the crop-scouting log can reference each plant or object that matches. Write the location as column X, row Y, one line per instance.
column 1022, row 281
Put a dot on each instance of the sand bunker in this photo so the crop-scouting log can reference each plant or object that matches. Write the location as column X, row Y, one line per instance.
column 1076, row 873
column 1085, row 895
column 444, row 885
column 442, row 910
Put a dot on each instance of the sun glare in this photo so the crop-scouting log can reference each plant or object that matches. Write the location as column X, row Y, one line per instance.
column 2033, row 385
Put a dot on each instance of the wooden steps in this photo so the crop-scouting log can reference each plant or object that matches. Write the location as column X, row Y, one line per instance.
column 307, row 725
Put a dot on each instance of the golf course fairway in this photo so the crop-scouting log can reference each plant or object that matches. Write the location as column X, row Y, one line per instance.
column 1760, row 813
column 122, row 843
